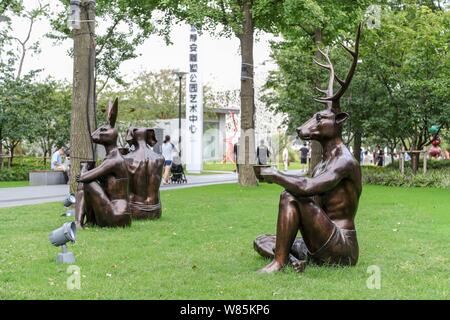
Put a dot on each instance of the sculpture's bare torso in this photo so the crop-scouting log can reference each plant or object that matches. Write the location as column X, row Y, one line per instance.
column 341, row 203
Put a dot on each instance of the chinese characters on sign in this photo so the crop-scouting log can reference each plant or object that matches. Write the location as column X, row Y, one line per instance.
column 194, row 108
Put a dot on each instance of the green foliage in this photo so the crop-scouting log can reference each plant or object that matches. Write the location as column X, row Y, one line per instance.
column 438, row 177
column 290, row 89
column 35, row 112
column 52, row 102
column 124, row 26
column 399, row 89
column 204, row 250
column 408, row 62
column 17, row 117
column 153, row 96
column 20, row 170
column 208, row 15
column 6, row 5
column 431, row 164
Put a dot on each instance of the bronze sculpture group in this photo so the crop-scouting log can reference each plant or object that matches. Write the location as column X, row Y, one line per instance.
column 120, row 188
column 322, row 207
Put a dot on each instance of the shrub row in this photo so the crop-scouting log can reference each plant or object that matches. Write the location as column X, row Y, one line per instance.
column 437, row 178
column 431, row 164
column 21, row 167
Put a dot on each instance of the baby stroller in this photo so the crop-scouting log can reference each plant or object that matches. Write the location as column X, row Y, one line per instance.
column 177, row 171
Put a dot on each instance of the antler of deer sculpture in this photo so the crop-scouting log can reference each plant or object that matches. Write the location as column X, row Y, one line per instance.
column 332, row 100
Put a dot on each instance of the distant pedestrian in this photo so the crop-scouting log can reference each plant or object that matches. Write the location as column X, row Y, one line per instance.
column 168, row 149
column 304, row 151
column 262, row 153
column 286, row 158
column 379, row 158
column 236, row 152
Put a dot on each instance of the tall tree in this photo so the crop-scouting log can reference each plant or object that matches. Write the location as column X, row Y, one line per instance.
column 17, row 111
column 98, row 54
column 151, row 96
column 239, row 18
column 399, row 88
column 124, row 26
column 52, row 101
column 411, row 64
column 307, row 25
column 13, row 51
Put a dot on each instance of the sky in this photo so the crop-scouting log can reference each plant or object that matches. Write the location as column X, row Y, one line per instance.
column 219, row 58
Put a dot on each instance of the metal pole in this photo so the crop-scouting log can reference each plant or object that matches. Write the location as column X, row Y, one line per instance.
column 180, row 77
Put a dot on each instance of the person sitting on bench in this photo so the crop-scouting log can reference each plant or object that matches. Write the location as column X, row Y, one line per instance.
column 56, row 163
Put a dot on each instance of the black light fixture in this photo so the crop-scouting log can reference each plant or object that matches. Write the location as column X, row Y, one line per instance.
column 60, row 237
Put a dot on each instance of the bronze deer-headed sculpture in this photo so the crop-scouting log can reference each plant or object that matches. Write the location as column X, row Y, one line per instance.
column 145, row 168
column 322, row 206
column 102, row 196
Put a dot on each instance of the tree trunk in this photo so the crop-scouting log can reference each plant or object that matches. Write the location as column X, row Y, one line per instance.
column 415, row 162
column 83, row 117
column 316, row 147
column 357, row 145
column 247, row 140
column 392, row 155
column 11, row 156
column 45, row 156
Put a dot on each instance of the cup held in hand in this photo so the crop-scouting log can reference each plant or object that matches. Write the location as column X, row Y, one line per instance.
column 257, row 169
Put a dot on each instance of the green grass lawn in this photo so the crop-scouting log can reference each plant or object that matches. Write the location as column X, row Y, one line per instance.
column 10, row 184
column 201, row 248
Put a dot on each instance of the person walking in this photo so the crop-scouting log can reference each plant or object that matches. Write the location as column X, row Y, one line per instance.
column 286, row 158
column 379, row 156
column 262, row 153
column 235, row 153
column 168, row 149
column 304, row 151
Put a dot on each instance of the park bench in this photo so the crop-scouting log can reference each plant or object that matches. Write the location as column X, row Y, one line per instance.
column 46, row 177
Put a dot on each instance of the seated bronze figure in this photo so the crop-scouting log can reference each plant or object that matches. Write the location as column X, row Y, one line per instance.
column 322, row 206
column 145, row 168
column 102, row 196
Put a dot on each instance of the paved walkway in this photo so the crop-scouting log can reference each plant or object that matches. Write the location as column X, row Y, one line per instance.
column 10, row 197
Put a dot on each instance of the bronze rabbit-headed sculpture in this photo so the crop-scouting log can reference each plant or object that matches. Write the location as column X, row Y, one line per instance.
column 145, row 168
column 102, row 196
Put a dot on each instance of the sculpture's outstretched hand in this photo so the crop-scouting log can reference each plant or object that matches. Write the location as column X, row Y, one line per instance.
column 268, row 174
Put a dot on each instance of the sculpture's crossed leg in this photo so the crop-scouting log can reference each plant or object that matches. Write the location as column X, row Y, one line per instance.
column 298, row 214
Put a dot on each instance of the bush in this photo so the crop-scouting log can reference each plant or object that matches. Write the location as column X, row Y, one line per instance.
column 431, row 164
column 21, row 168
column 436, row 178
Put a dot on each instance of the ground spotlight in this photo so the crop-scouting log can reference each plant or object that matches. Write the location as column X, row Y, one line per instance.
column 70, row 200
column 60, row 237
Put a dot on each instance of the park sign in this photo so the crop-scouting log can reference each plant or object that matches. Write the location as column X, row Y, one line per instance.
column 194, row 109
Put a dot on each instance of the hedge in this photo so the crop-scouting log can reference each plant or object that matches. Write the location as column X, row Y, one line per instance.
column 436, row 178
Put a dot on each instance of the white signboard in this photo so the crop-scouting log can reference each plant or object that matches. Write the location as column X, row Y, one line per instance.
column 194, row 109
